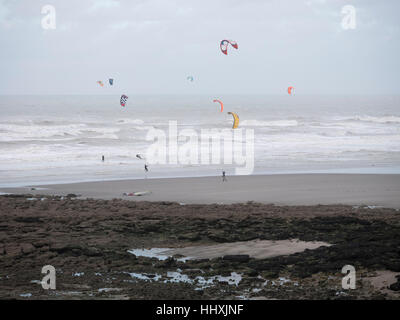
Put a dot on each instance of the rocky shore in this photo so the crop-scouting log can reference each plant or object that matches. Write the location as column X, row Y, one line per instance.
column 87, row 241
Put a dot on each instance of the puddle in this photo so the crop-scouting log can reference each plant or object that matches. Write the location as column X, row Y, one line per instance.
column 25, row 295
column 144, row 276
column 78, row 274
column 109, row 289
column 68, row 293
column 158, row 253
column 199, row 281
column 36, row 281
column 367, row 207
column 258, row 249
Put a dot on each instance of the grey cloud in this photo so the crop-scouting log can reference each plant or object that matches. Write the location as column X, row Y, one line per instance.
column 151, row 46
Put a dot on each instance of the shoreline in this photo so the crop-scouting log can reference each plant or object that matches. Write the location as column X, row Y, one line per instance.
column 382, row 170
column 380, row 190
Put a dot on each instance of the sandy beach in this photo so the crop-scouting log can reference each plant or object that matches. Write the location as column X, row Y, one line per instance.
column 290, row 189
column 252, row 237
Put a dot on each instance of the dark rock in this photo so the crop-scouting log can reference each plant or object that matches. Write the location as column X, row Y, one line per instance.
column 190, row 237
column 237, row 257
column 151, row 228
column 395, row 286
column 65, row 248
column 27, row 248
column 92, row 252
column 252, row 273
column 27, row 219
column 170, row 262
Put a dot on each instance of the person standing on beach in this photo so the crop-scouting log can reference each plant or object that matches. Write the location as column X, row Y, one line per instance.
column 102, row 158
column 224, row 177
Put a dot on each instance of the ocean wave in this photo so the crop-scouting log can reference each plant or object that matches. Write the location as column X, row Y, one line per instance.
column 109, row 136
column 130, row 121
column 383, row 119
column 13, row 132
column 272, row 123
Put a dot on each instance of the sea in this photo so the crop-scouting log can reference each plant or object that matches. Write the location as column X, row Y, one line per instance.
column 62, row 138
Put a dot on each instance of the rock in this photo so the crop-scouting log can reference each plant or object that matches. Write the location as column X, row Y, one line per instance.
column 270, row 274
column 12, row 251
column 237, row 257
column 395, row 286
column 190, row 236
column 151, row 228
column 40, row 243
column 27, row 219
column 252, row 273
column 76, row 251
column 218, row 236
column 44, row 249
column 63, row 248
column 92, row 252
column 170, row 262
column 27, row 248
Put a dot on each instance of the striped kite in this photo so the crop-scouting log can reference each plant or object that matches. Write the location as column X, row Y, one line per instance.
column 224, row 45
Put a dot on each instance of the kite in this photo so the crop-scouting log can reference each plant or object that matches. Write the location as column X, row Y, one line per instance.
column 235, row 120
column 111, row 81
column 290, row 89
column 100, row 83
column 190, row 78
column 220, row 102
column 224, row 45
column 123, row 99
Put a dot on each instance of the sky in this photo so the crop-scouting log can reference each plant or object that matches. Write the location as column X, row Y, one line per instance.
column 152, row 46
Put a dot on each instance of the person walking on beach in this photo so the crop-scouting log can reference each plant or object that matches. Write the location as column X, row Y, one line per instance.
column 224, row 177
column 102, row 158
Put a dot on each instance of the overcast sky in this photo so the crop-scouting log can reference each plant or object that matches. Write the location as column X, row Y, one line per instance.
column 151, row 46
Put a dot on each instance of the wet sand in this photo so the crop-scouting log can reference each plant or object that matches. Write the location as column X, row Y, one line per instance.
column 258, row 249
column 294, row 189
